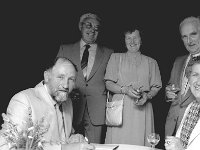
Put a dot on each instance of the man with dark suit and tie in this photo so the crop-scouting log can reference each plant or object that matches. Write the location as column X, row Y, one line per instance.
column 91, row 60
column 190, row 33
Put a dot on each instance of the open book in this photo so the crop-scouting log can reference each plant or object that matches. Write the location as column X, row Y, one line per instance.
column 106, row 146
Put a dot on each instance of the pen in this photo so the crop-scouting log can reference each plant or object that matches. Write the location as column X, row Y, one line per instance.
column 115, row 147
column 86, row 139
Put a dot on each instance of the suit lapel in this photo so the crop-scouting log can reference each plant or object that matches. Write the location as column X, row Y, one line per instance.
column 184, row 98
column 76, row 54
column 77, row 60
column 97, row 62
column 43, row 95
column 51, row 114
column 183, row 64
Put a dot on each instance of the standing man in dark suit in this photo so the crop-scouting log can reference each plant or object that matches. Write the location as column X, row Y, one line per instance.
column 91, row 60
column 190, row 33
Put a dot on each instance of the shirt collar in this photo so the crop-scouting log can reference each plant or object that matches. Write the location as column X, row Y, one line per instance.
column 82, row 44
column 195, row 55
column 51, row 99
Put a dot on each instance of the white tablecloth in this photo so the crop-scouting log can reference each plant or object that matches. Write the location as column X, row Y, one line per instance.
column 121, row 147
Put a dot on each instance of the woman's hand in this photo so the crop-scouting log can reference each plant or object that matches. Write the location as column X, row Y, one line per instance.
column 76, row 138
column 131, row 92
column 78, row 146
column 173, row 143
column 139, row 97
column 142, row 100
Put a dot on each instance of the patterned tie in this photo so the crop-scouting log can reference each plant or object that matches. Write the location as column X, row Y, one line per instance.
column 193, row 59
column 196, row 58
column 189, row 123
column 84, row 60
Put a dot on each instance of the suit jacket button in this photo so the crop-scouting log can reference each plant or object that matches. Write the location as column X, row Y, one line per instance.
column 86, row 84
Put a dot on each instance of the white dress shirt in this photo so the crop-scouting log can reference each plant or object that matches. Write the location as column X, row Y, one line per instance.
column 91, row 58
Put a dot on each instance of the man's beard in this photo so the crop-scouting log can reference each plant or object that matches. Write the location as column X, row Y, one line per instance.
column 61, row 96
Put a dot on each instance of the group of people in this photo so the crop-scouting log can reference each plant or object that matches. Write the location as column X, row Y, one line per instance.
column 93, row 70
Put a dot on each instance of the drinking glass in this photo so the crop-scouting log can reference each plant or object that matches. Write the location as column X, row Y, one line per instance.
column 139, row 93
column 174, row 89
column 153, row 139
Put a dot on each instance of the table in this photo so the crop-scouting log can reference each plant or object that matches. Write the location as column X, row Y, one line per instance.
column 122, row 147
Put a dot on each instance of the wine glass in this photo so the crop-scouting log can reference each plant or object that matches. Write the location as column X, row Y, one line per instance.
column 153, row 139
column 139, row 93
column 174, row 89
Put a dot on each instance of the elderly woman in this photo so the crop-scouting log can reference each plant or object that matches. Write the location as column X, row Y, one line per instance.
column 127, row 74
column 188, row 133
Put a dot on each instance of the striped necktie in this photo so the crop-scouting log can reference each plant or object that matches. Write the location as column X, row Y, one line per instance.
column 84, row 60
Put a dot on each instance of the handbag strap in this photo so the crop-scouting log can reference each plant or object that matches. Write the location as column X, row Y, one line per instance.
column 108, row 93
column 119, row 72
column 120, row 64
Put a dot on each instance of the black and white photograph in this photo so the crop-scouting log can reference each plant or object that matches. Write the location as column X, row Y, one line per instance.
column 92, row 75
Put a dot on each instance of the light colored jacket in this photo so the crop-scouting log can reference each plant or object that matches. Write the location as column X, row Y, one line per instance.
column 194, row 140
column 41, row 105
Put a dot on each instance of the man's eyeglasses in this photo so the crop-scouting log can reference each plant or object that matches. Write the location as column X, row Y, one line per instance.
column 89, row 25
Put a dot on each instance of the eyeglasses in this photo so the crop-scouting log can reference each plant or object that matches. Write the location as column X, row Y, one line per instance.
column 89, row 25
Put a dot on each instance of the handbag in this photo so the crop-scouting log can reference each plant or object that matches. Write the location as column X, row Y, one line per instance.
column 114, row 110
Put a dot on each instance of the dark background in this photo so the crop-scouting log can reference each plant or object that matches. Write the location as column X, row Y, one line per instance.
column 31, row 33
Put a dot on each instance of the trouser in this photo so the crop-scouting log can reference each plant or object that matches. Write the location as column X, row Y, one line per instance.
column 94, row 133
